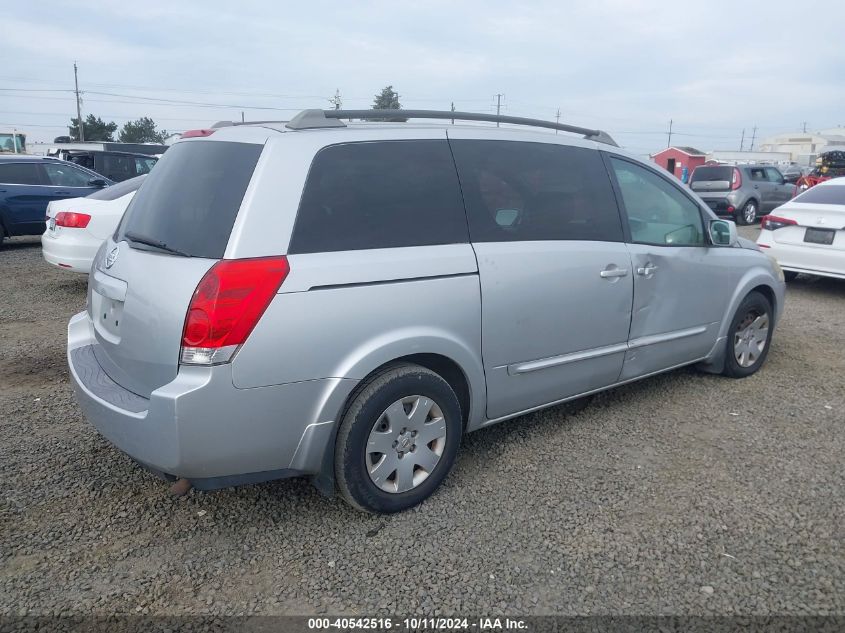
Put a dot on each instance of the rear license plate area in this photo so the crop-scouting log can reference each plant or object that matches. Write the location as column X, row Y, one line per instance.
column 819, row 236
column 106, row 314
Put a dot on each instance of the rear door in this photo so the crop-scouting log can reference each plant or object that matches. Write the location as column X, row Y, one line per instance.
column 681, row 283
column 176, row 227
column 781, row 190
column 763, row 188
column 556, row 284
column 23, row 198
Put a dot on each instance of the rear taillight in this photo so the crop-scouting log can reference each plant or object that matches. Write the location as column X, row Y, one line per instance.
column 773, row 222
column 72, row 220
column 736, row 179
column 196, row 133
column 226, row 306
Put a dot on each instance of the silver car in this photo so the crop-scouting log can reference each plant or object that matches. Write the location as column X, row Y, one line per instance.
column 743, row 192
column 346, row 301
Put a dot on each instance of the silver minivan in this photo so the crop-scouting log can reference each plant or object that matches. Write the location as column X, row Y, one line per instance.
column 345, row 301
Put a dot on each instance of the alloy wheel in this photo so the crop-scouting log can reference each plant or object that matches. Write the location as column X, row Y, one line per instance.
column 749, row 213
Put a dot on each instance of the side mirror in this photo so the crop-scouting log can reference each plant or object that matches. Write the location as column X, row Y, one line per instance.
column 723, row 233
column 97, row 182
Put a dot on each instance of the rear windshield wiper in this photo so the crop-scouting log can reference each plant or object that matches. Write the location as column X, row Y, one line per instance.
column 149, row 241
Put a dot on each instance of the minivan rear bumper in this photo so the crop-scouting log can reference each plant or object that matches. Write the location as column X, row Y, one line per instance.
column 201, row 427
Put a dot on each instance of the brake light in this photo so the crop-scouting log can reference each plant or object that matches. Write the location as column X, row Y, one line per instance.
column 226, row 306
column 773, row 222
column 72, row 220
column 736, row 179
column 196, row 133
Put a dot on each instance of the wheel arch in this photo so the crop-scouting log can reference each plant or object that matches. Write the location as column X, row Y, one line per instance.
column 756, row 279
column 455, row 364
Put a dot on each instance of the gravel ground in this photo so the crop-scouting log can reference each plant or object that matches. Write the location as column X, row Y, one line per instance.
column 683, row 494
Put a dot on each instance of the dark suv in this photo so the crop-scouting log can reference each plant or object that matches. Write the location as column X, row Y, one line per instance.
column 743, row 192
column 116, row 166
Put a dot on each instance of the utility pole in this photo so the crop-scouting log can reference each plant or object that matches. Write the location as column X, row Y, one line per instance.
column 742, row 140
column 453, row 109
column 669, row 142
column 78, row 105
column 753, row 136
column 242, row 117
column 557, row 118
column 805, row 127
column 498, row 105
column 336, row 100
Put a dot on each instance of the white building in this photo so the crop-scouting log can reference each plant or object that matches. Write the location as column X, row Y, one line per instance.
column 730, row 157
column 804, row 147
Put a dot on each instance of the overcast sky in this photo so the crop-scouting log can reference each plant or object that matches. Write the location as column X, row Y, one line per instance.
column 627, row 66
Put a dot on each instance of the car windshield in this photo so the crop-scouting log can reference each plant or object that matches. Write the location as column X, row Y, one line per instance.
column 831, row 194
column 119, row 190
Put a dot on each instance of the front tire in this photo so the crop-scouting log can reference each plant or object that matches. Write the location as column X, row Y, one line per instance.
column 748, row 213
column 398, row 439
column 749, row 336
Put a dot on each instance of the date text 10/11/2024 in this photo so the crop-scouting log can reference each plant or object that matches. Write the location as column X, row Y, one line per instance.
column 417, row 623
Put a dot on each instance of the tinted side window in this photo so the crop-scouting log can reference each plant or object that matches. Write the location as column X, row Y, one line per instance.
column 118, row 167
column 774, row 175
column 62, row 174
column 19, row 174
column 380, row 195
column 658, row 213
column 518, row 191
column 757, row 173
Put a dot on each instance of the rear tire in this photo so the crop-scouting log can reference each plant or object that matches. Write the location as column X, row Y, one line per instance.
column 748, row 214
column 789, row 275
column 397, row 440
column 749, row 336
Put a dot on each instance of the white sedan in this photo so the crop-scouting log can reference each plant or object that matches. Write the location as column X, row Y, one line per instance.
column 807, row 234
column 77, row 226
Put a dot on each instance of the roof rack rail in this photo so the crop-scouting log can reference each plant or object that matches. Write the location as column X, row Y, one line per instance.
column 314, row 119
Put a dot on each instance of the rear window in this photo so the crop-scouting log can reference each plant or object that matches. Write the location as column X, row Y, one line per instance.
column 710, row 174
column 190, row 200
column 19, row 174
column 119, row 190
column 831, row 194
column 380, row 195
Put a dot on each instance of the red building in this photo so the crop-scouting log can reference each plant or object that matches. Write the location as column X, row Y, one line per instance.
column 674, row 159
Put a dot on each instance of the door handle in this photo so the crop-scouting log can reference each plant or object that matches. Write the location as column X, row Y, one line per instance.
column 646, row 270
column 614, row 272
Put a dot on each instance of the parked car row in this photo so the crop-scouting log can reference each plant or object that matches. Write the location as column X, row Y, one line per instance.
column 346, row 271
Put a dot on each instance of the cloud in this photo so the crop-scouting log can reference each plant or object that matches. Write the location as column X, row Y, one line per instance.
column 626, row 66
